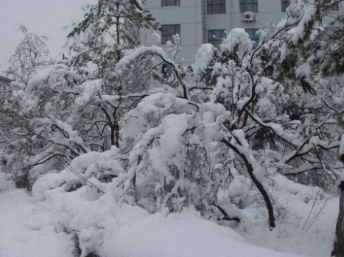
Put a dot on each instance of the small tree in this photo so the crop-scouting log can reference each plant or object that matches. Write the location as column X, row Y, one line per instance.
column 98, row 41
column 31, row 55
column 70, row 108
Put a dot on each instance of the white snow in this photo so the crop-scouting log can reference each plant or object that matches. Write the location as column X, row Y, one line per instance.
column 173, row 126
column 237, row 37
column 307, row 224
column 34, row 229
column 131, row 55
column 25, row 230
column 203, row 58
column 41, row 227
column 88, row 90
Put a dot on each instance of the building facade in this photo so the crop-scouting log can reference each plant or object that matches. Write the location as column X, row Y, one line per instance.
column 206, row 21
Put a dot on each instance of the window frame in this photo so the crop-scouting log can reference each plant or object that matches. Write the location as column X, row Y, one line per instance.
column 284, row 5
column 216, row 41
column 170, row 3
column 165, row 37
column 248, row 6
column 211, row 4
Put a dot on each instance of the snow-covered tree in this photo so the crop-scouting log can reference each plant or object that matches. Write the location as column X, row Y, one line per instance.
column 255, row 132
column 132, row 124
column 74, row 106
column 97, row 43
column 108, row 28
column 31, row 55
column 312, row 58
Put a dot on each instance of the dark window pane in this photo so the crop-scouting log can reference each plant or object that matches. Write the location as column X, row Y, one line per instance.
column 216, row 6
column 215, row 37
column 285, row 4
column 170, row 3
column 168, row 31
column 248, row 6
column 216, row 9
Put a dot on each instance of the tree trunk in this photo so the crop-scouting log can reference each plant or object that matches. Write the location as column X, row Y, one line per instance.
column 338, row 250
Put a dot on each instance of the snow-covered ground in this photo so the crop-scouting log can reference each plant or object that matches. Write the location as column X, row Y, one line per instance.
column 33, row 228
column 130, row 232
column 306, row 229
column 23, row 231
column 306, row 220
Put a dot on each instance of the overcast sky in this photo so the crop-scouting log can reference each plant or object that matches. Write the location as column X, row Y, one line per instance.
column 42, row 17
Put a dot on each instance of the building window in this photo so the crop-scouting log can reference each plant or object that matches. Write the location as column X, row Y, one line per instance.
column 216, row 6
column 248, row 6
column 252, row 33
column 285, row 5
column 333, row 7
column 170, row 3
column 167, row 31
column 215, row 37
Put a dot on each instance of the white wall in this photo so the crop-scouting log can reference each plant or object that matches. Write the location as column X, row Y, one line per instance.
column 269, row 13
column 188, row 15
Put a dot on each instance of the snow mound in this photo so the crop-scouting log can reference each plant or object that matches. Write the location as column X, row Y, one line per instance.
column 40, row 229
column 27, row 231
column 182, row 235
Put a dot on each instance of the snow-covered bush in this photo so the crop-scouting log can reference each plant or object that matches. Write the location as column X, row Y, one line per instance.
column 241, row 122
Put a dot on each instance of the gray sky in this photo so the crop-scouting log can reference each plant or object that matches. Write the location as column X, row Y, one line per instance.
column 42, row 17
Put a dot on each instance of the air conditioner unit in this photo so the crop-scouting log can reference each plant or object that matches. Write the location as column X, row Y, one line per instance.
column 248, row 17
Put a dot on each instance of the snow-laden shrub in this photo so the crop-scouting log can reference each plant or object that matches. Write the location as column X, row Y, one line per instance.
column 93, row 169
column 169, row 161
